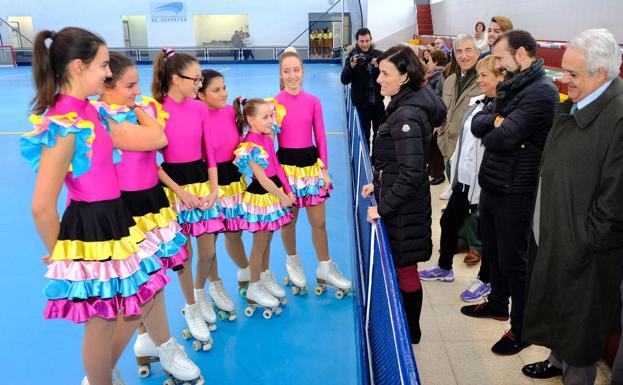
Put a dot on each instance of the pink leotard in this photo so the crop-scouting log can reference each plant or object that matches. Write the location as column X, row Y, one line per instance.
column 184, row 129
column 223, row 133
column 100, row 181
column 303, row 111
column 274, row 168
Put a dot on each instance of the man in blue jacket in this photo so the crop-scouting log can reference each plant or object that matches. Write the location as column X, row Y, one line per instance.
column 513, row 130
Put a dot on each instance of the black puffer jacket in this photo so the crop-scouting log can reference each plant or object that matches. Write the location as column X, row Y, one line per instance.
column 527, row 102
column 401, row 175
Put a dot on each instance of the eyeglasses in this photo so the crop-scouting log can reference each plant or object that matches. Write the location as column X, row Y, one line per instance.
column 196, row 81
column 466, row 51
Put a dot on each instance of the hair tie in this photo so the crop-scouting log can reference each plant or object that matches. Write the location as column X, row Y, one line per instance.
column 52, row 35
column 168, row 53
column 242, row 100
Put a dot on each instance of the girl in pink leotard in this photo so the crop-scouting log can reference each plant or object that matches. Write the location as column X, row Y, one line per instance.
column 306, row 167
column 189, row 172
column 98, row 274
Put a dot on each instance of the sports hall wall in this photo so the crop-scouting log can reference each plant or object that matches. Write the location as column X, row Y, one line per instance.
column 546, row 20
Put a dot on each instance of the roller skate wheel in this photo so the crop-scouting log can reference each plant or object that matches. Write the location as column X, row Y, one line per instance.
column 303, row 291
column 186, row 334
column 249, row 311
column 221, row 315
column 183, row 312
column 143, row 371
column 232, row 317
column 339, row 294
column 283, row 301
column 286, row 281
column 295, row 290
column 319, row 290
column 212, row 327
column 206, row 346
column 196, row 345
column 278, row 311
column 168, row 382
column 243, row 292
column 267, row 313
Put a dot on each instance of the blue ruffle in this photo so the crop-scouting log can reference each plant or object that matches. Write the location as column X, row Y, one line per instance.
column 119, row 117
column 276, row 129
column 308, row 190
column 31, row 146
column 242, row 161
column 82, row 290
column 197, row 215
column 172, row 247
column 232, row 212
column 275, row 215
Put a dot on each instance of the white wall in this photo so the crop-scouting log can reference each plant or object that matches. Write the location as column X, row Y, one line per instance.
column 210, row 28
column 273, row 22
column 26, row 31
column 138, row 30
column 546, row 20
column 386, row 18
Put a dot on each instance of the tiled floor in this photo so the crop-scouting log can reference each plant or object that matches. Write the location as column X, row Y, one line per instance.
column 455, row 349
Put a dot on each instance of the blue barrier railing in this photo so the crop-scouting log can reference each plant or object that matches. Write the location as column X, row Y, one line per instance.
column 386, row 354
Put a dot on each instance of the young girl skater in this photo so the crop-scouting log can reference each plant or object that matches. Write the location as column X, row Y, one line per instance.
column 97, row 273
column 191, row 184
column 266, row 201
column 306, row 167
column 135, row 124
column 225, row 137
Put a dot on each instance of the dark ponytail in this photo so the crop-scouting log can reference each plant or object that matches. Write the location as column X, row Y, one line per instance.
column 168, row 63
column 49, row 65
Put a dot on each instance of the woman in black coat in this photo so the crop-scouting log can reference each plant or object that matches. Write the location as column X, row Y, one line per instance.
column 401, row 176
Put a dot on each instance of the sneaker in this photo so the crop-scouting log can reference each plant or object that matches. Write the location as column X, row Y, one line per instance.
column 483, row 310
column 437, row 274
column 476, row 291
column 445, row 194
column 509, row 344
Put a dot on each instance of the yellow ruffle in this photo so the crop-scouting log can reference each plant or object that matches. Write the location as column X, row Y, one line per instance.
column 280, row 110
column 233, row 189
column 161, row 219
column 303, row 172
column 197, row 189
column 99, row 251
column 161, row 114
column 260, row 200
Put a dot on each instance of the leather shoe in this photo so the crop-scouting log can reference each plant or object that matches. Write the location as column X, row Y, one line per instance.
column 472, row 257
column 484, row 310
column 438, row 180
column 508, row 345
column 542, row 369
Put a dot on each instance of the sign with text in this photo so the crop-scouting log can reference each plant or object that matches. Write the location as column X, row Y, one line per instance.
column 167, row 11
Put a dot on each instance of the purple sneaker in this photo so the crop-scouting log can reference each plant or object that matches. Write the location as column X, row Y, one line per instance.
column 476, row 291
column 437, row 274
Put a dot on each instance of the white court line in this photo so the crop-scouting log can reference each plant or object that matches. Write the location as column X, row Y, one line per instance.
column 334, row 132
column 225, row 69
column 14, row 75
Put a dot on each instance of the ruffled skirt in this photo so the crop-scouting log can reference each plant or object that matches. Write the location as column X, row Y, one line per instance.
column 262, row 210
column 154, row 216
column 303, row 168
column 98, row 268
column 192, row 177
column 232, row 185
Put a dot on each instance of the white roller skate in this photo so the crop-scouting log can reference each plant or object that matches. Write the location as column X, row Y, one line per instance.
column 328, row 274
column 206, row 308
column 197, row 328
column 270, row 283
column 258, row 296
column 222, row 302
column 244, row 277
column 296, row 275
column 177, row 365
column 146, row 353
column 116, row 378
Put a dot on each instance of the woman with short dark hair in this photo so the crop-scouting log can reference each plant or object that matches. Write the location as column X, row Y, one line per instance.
column 400, row 181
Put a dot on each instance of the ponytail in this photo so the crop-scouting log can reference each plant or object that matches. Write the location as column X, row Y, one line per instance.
column 49, row 65
column 238, row 105
column 168, row 63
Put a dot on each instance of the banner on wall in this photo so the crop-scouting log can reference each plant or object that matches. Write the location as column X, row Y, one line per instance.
column 167, row 11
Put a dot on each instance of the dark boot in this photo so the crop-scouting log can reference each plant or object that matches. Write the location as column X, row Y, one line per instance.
column 412, row 303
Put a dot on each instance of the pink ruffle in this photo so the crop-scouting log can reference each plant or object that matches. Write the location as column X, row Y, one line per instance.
column 106, row 308
column 312, row 200
column 175, row 261
column 271, row 226
column 203, row 227
column 231, row 202
column 262, row 210
column 165, row 234
column 235, row 224
column 78, row 270
column 303, row 182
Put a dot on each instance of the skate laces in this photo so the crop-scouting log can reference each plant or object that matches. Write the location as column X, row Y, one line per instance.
column 477, row 283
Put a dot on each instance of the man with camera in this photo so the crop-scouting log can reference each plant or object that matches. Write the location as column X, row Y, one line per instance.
column 361, row 69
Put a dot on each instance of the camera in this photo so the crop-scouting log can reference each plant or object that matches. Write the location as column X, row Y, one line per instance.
column 362, row 59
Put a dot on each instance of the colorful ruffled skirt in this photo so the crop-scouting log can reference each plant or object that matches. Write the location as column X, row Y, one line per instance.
column 232, row 185
column 154, row 216
column 97, row 268
column 303, row 169
column 262, row 210
column 192, row 177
